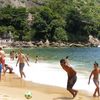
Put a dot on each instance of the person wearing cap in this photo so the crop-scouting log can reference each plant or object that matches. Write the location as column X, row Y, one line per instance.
column 95, row 72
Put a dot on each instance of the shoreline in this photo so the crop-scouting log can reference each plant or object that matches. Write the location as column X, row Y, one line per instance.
column 47, row 74
column 14, row 88
column 42, row 44
column 11, row 86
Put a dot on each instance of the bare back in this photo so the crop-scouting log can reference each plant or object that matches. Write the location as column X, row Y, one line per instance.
column 71, row 72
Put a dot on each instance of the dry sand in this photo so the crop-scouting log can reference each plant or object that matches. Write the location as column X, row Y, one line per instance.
column 14, row 88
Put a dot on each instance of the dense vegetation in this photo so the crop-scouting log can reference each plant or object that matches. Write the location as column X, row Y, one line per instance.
column 55, row 20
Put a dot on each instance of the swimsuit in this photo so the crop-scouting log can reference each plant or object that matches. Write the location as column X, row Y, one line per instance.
column 71, row 82
column 0, row 68
column 21, row 66
column 3, row 61
column 96, row 81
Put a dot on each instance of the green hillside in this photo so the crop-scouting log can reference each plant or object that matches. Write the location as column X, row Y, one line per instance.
column 55, row 20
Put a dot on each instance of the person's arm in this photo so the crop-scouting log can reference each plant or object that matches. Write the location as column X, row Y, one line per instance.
column 17, row 61
column 99, row 71
column 90, row 77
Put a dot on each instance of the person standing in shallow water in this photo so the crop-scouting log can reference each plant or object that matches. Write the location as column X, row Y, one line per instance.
column 21, row 60
column 95, row 73
column 36, row 60
column 71, row 77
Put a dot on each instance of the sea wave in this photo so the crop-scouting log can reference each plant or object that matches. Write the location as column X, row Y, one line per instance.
column 52, row 74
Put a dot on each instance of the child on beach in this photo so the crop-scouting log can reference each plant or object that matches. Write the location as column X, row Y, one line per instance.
column 95, row 74
column 8, row 67
column 71, row 77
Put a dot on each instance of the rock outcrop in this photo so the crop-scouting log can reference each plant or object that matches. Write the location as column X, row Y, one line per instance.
column 21, row 3
column 94, row 41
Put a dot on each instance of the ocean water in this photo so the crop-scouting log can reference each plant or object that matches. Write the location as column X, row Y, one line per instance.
column 48, row 70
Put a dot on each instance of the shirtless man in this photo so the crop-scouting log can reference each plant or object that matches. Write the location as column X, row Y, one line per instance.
column 95, row 74
column 2, row 55
column 21, row 60
column 71, row 77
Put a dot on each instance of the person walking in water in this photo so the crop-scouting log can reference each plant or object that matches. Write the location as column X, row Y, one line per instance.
column 36, row 60
column 71, row 77
column 21, row 60
column 95, row 72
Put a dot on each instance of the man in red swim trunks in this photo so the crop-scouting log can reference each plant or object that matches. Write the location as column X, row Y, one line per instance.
column 2, row 55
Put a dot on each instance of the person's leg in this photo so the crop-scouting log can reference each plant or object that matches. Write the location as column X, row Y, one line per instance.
column 11, row 69
column 74, row 79
column 96, row 82
column 71, row 91
column 0, row 76
column 5, row 70
column 3, row 64
column 0, row 71
column 21, row 70
column 69, row 87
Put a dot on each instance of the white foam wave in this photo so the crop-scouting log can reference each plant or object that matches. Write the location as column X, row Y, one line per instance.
column 47, row 73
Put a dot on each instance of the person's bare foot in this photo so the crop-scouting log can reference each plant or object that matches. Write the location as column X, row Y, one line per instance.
column 94, row 95
column 75, row 94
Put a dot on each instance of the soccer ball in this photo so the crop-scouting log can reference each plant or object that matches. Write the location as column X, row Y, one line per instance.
column 28, row 95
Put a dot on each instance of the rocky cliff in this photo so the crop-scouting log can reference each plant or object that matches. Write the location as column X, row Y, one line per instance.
column 21, row 3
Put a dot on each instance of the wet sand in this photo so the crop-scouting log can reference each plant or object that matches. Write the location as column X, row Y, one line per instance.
column 14, row 88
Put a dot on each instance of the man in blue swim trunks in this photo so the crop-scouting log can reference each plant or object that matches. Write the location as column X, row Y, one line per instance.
column 0, row 66
column 71, row 77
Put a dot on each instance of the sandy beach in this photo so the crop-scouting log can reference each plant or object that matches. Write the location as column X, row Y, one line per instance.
column 14, row 88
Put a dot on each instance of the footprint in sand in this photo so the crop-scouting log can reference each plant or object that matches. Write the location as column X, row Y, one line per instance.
column 5, row 97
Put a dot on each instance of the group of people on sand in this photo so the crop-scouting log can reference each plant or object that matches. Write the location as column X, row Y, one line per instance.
column 72, row 77
column 72, row 74
column 21, row 58
column 3, row 65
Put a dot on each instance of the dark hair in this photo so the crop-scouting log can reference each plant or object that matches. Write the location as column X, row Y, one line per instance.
column 6, row 65
column 0, row 48
column 62, row 60
column 95, row 63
